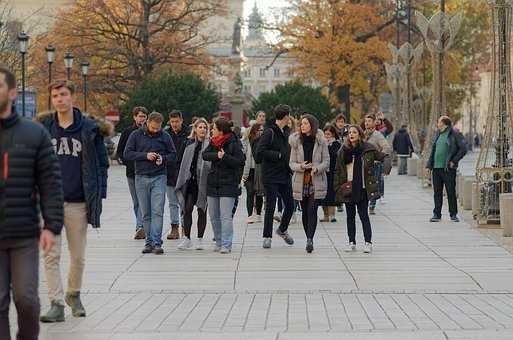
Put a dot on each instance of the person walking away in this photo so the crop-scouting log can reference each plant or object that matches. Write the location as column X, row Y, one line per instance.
column 329, row 204
column 448, row 149
column 152, row 150
column 403, row 147
column 356, row 183
column 179, row 134
column 191, row 184
column 273, row 152
column 80, row 147
column 254, row 198
column 227, row 159
column 29, row 165
column 139, row 115
column 377, row 139
column 309, row 161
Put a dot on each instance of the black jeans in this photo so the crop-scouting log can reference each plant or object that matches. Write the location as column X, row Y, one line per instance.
column 190, row 201
column 19, row 269
column 447, row 178
column 363, row 212
column 253, row 200
column 285, row 192
column 309, row 207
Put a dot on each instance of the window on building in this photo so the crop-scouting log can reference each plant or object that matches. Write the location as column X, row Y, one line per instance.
column 276, row 72
column 262, row 72
column 247, row 72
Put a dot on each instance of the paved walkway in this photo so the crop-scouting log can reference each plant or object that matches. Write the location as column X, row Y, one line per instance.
column 423, row 281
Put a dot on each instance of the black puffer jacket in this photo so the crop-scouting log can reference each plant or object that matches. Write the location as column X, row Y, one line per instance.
column 402, row 142
column 29, row 167
column 225, row 174
column 273, row 152
column 123, row 139
column 180, row 142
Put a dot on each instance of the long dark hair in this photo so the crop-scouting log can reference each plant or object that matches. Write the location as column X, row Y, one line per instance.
column 314, row 124
column 253, row 132
column 360, row 132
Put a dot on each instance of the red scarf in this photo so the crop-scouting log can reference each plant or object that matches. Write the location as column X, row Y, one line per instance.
column 218, row 141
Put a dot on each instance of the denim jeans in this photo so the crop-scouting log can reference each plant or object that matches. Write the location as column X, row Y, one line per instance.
column 19, row 273
column 220, row 211
column 151, row 192
column 174, row 205
column 403, row 165
column 135, row 202
column 377, row 171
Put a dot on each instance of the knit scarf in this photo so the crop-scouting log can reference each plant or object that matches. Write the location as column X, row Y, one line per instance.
column 219, row 141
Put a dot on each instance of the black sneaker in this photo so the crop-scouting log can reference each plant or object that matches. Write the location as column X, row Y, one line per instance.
column 435, row 219
column 340, row 208
column 309, row 245
column 455, row 218
column 157, row 250
column 147, row 249
column 285, row 236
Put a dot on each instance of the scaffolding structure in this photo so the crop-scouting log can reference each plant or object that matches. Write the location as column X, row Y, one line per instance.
column 494, row 169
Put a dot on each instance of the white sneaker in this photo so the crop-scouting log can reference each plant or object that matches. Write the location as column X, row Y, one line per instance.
column 217, row 248
column 251, row 219
column 367, row 248
column 199, row 244
column 350, row 247
column 185, row 244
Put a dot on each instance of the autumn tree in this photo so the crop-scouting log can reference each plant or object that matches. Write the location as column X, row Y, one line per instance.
column 337, row 43
column 128, row 40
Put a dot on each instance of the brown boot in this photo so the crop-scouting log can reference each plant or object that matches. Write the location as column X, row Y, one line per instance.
column 326, row 215
column 174, row 232
column 139, row 234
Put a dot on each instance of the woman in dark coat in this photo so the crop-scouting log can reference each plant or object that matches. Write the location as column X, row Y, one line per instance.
column 332, row 138
column 227, row 162
column 355, row 162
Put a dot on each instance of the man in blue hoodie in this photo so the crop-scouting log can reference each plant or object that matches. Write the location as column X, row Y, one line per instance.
column 83, row 160
column 152, row 150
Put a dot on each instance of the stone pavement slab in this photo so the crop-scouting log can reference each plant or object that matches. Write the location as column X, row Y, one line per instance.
column 424, row 280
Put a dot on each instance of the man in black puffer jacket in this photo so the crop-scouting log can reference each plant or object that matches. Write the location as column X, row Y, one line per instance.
column 29, row 168
column 273, row 152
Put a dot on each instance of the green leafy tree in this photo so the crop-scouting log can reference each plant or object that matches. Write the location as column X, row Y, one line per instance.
column 301, row 98
column 187, row 93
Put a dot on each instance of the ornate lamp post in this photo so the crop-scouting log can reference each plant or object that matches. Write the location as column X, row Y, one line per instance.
column 85, row 72
column 50, row 54
column 23, row 40
column 68, row 62
column 439, row 33
column 494, row 170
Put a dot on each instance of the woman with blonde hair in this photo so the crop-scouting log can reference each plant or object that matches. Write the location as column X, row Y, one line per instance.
column 191, row 185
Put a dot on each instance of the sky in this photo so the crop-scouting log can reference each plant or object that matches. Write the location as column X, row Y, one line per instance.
column 265, row 7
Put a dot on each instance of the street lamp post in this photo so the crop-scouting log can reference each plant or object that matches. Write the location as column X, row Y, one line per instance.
column 50, row 53
column 23, row 40
column 68, row 62
column 85, row 73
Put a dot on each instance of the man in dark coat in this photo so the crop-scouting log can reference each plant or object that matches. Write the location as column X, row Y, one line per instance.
column 80, row 147
column 273, row 152
column 179, row 134
column 29, row 166
column 153, row 151
column 139, row 115
column 449, row 147
column 403, row 147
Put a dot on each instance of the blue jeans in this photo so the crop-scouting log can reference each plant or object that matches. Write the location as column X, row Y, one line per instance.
column 135, row 202
column 377, row 171
column 174, row 205
column 151, row 192
column 220, row 210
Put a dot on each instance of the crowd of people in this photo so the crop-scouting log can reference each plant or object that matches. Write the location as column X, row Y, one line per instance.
column 54, row 177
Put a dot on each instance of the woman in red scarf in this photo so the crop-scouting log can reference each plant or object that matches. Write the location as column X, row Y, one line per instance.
column 223, row 181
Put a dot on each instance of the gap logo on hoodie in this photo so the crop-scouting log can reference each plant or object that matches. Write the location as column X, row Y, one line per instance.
column 68, row 147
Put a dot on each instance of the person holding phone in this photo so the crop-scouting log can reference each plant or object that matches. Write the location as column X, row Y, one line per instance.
column 152, row 150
